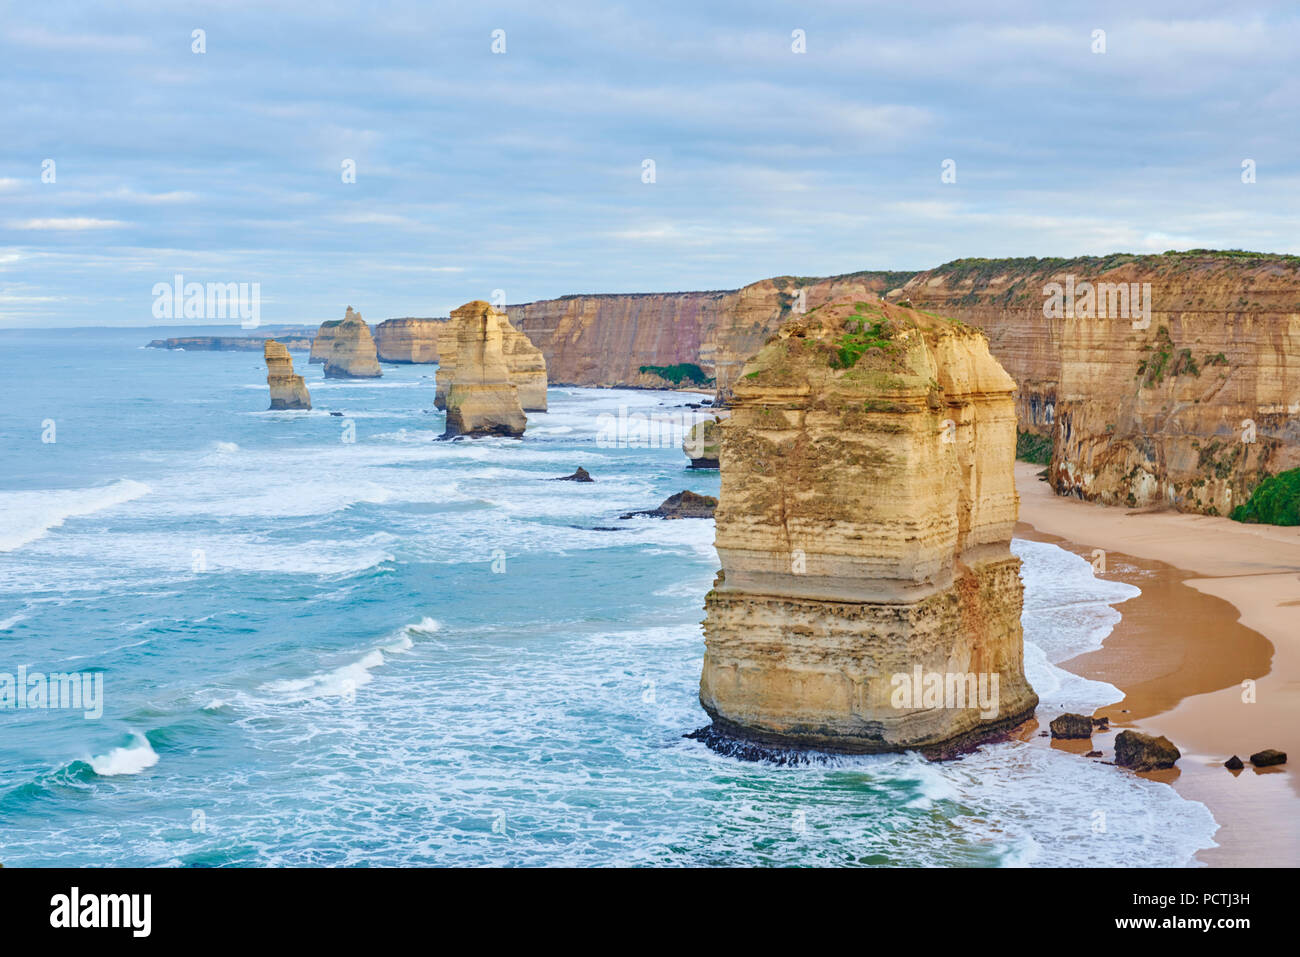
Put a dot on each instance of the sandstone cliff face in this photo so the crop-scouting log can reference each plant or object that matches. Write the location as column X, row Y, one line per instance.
column 606, row 340
column 864, row 523
column 288, row 391
column 352, row 352
column 408, row 340
column 524, row 362
column 1145, row 408
column 481, row 398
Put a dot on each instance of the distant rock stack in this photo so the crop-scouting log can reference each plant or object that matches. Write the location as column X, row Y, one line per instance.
column 323, row 342
column 288, row 391
column 481, row 398
column 701, row 444
column 352, row 352
column 408, row 340
column 868, row 598
column 524, row 361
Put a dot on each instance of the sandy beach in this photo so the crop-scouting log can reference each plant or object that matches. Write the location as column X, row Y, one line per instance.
column 1219, row 610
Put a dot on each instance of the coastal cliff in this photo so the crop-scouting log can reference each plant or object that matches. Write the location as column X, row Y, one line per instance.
column 621, row 340
column 1169, row 380
column 864, row 530
column 481, row 399
column 524, row 362
column 228, row 343
column 288, row 391
column 352, row 353
column 408, row 340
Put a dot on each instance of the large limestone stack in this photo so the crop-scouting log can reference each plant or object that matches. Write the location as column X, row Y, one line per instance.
column 323, row 342
column 864, row 530
column 408, row 340
column 352, row 352
column 288, row 391
column 525, row 362
column 481, row 398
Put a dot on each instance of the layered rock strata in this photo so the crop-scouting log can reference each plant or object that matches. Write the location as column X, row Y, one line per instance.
column 1169, row 380
column 408, row 340
column 524, row 361
column 481, row 399
column 352, row 352
column 288, row 391
column 868, row 598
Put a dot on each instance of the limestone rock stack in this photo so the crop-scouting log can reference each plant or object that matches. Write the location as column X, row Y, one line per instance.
column 481, row 399
column 868, row 599
column 323, row 342
column 352, row 352
column 524, row 361
column 288, row 391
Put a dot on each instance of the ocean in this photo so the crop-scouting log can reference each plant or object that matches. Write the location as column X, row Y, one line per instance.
column 397, row 651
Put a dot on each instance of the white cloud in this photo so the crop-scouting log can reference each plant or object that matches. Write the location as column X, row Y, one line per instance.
column 73, row 223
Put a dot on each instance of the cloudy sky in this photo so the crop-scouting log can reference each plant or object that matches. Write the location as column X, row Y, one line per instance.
column 523, row 170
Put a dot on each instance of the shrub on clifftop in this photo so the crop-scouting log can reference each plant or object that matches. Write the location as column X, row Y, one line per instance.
column 1276, row 501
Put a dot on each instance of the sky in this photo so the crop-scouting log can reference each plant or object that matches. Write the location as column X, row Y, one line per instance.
column 525, row 170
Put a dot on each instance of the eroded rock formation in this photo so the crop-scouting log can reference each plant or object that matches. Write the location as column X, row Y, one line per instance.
column 524, row 361
column 701, row 444
column 323, row 342
column 685, row 504
column 481, row 399
column 352, row 353
column 288, row 391
column 864, row 530
column 408, row 340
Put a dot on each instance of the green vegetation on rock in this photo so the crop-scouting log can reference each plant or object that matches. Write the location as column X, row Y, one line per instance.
column 1276, row 501
column 1034, row 448
column 681, row 372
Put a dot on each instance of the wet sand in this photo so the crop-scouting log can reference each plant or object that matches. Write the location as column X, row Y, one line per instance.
column 1218, row 617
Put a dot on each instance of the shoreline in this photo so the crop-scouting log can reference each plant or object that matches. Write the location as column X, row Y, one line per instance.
column 1219, row 606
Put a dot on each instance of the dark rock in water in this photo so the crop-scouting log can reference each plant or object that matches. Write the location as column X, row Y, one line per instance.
column 1233, row 763
column 682, row 505
column 733, row 747
column 579, row 476
column 1071, row 726
column 1093, row 754
column 340, row 414
column 1102, row 723
column 1143, row 752
column 1267, row 758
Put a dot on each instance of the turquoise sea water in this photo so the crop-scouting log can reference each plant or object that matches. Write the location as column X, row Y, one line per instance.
column 400, row 651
